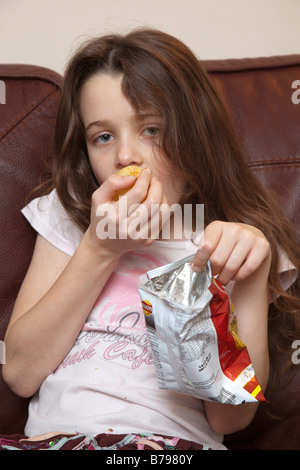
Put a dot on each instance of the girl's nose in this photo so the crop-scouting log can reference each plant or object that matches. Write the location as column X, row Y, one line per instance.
column 128, row 153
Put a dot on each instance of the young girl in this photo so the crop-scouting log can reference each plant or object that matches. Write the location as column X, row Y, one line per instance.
column 77, row 339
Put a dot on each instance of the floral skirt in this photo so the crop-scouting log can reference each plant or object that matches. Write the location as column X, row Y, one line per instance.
column 107, row 442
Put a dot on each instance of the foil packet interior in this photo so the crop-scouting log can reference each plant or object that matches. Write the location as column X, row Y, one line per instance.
column 192, row 329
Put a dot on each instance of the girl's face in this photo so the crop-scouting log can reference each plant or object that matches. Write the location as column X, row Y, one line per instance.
column 118, row 136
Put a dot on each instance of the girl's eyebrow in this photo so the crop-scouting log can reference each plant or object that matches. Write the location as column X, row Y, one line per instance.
column 99, row 123
column 151, row 115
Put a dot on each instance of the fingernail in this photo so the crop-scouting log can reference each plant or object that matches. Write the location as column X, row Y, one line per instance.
column 149, row 170
column 196, row 269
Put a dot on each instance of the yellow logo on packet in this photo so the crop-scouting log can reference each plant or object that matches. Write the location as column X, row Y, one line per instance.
column 147, row 307
column 233, row 329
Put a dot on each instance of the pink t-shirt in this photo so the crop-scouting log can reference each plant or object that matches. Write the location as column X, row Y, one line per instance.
column 107, row 382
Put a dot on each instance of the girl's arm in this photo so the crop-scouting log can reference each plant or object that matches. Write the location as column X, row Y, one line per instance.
column 59, row 291
column 55, row 298
column 241, row 253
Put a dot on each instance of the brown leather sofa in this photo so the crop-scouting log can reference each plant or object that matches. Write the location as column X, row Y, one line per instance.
column 259, row 96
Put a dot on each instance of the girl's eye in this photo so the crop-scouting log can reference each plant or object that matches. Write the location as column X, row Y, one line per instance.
column 151, row 131
column 104, row 138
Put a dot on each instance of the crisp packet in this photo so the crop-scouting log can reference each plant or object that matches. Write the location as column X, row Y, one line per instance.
column 192, row 329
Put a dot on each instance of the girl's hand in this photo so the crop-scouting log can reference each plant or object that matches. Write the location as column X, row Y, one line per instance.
column 146, row 192
column 235, row 251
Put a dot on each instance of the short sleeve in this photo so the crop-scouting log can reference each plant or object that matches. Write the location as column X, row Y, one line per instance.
column 48, row 217
column 287, row 271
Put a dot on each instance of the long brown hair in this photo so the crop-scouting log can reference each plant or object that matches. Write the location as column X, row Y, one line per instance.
column 161, row 73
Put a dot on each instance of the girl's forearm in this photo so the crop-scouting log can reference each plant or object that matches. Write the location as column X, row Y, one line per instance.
column 251, row 302
column 39, row 339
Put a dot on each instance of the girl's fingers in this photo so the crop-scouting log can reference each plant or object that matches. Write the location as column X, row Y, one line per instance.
column 139, row 192
column 232, row 252
column 136, row 214
column 137, row 188
column 207, row 246
column 105, row 193
column 148, row 215
column 234, row 263
column 235, row 251
column 150, row 203
column 259, row 253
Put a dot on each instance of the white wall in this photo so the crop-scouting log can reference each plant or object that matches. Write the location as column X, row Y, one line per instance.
column 45, row 32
